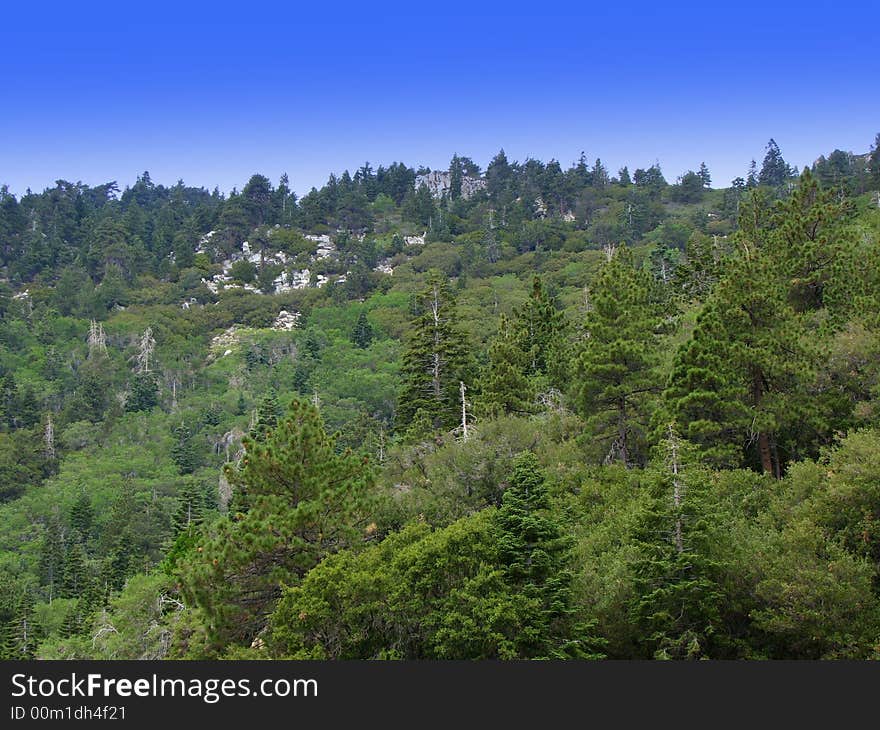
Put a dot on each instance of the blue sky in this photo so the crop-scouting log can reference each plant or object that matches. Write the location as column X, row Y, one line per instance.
column 212, row 93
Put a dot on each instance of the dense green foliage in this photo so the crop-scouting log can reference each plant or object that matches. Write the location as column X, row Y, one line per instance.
column 568, row 414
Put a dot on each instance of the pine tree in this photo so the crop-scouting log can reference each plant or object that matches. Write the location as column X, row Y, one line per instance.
column 52, row 555
column 616, row 366
column 119, row 567
column 807, row 236
column 752, row 176
column 704, row 398
column 73, row 622
column 539, row 330
column 677, row 602
column 704, row 175
column 362, row 335
column 505, row 387
column 434, row 362
column 535, row 556
column 455, row 174
column 774, row 170
column 18, row 633
column 741, row 384
column 267, row 415
column 874, row 163
column 190, row 508
column 76, row 575
column 700, row 267
column 305, row 502
column 144, row 395
column 82, row 516
column 183, row 453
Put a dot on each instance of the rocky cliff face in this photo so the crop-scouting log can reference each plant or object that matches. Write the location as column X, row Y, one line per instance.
column 439, row 183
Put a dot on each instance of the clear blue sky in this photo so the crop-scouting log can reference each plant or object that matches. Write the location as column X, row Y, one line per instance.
column 214, row 92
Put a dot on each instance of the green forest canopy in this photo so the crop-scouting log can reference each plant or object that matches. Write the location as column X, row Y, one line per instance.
column 563, row 414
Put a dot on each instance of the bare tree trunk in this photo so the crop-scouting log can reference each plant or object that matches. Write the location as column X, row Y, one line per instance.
column 764, row 451
column 763, row 437
column 464, row 420
column 621, row 433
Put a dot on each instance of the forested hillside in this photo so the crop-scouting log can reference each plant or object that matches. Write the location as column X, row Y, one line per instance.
column 519, row 412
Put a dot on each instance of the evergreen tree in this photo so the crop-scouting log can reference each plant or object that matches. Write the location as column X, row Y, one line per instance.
column 505, row 387
column 535, row 557
column 874, row 164
column 539, row 331
column 704, row 175
column 752, row 176
column 183, row 453
column 703, row 396
column 76, row 576
column 741, row 382
column 82, row 516
column 18, row 633
column 119, row 567
column 700, row 267
column 455, row 174
column 435, row 358
column 52, row 555
column 616, row 365
column 419, row 207
column 267, row 416
column 362, row 335
column 305, row 502
column 807, row 236
column 774, row 170
column 144, row 395
column 190, row 508
column 677, row 603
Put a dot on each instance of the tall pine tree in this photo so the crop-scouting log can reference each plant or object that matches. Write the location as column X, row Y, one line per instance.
column 305, row 501
column 616, row 374
column 435, row 359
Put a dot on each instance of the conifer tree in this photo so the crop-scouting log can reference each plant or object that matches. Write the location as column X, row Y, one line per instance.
column 52, row 557
column 700, row 267
column 76, row 574
column 434, row 362
column 144, row 395
column 539, row 330
column 505, row 387
column 362, row 335
column 534, row 555
column 740, row 385
column 455, row 174
column 616, row 366
column 703, row 397
column 82, row 516
column 677, row 602
column 240, row 404
column 874, row 163
column 752, row 176
column 18, row 634
column 305, row 501
column 183, row 453
column 774, row 170
column 266, row 417
column 119, row 566
column 704, row 175
column 190, row 508
column 807, row 237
